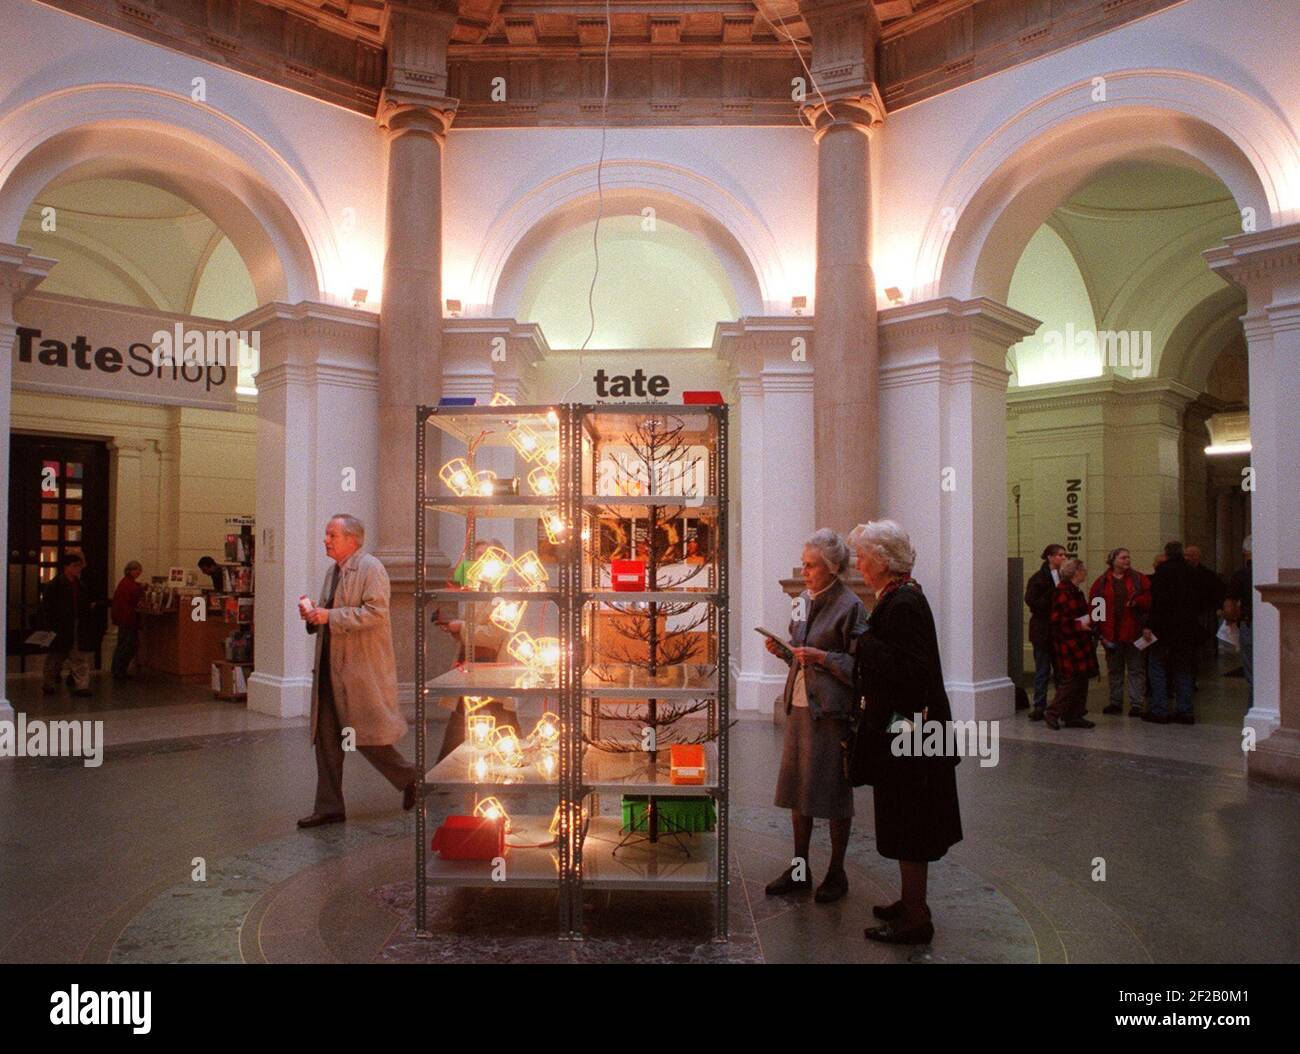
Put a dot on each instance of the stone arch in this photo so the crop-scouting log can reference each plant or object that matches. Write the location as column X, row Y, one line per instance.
column 994, row 202
column 744, row 246
column 191, row 150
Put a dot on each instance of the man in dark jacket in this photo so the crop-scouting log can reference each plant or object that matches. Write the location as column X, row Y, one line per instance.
column 66, row 609
column 1174, row 600
column 1039, row 593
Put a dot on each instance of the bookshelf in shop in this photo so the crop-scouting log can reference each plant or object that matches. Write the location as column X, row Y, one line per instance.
column 234, row 606
column 606, row 582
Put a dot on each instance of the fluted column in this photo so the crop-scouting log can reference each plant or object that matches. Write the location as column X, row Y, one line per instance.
column 20, row 272
column 1266, row 264
column 843, row 107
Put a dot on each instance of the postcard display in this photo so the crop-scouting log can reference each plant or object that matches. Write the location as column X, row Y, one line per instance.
column 605, row 589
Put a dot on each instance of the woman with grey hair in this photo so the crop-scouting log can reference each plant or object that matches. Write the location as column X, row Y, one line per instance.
column 898, row 674
column 828, row 619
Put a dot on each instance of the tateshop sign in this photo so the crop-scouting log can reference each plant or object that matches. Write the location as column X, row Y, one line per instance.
column 69, row 346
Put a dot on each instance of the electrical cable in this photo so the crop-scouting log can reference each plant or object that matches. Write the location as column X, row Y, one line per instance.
column 600, row 208
column 782, row 31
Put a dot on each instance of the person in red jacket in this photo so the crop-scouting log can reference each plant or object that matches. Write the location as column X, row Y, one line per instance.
column 1121, row 622
column 1073, row 649
column 126, row 617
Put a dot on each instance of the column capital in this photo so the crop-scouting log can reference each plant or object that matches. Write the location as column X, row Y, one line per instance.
column 860, row 108
column 403, row 111
column 21, row 270
column 1266, row 264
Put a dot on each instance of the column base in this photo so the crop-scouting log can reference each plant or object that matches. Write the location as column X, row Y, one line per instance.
column 6, row 710
column 991, row 700
column 1264, row 721
column 279, row 696
column 1276, row 759
column 756, row 693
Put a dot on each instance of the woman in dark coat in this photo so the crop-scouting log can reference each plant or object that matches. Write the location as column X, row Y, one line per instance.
column 898, row 672
column 1074, row 649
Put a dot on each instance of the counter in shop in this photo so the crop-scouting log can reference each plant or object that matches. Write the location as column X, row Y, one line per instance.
column 171, row 642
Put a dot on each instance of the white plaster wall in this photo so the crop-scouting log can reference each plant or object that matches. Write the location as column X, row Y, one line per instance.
column 924, row 148
column 334, row 158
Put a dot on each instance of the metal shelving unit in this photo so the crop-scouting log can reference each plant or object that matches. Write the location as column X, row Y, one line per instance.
column 572, row 845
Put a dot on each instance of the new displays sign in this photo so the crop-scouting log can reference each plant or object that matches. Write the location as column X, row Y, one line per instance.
column 76, row 347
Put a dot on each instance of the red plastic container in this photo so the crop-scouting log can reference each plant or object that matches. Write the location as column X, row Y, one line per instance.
column 702, row 398
column 470, row 838
column 627, row 576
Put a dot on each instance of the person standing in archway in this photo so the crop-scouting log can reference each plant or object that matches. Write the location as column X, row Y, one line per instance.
column 1039, row 592
column 1126, row 600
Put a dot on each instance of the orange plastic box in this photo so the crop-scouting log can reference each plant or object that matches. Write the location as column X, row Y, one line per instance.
column 686, row 765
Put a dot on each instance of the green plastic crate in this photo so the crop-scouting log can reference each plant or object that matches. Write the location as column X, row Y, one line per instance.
column 675, row 814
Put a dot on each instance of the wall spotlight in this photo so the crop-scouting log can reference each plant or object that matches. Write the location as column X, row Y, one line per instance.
column 895, row 294
column 798, row 304
column 359, row 296
column 453, row 308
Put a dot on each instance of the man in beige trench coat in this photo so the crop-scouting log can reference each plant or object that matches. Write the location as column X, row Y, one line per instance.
column 354, row 687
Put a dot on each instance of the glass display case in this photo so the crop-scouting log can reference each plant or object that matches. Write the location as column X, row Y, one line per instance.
column 602, row 622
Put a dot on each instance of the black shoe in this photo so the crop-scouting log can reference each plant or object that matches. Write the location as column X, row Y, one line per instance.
column 888, row 911
column 1135, row 711
column 833, row 887
column 1156, row 719
column 1184, row 719
column 82, row 693
column 893, row 933
column 1036, row 714
column 1052, row 722
column 1080, row 722
column 317, row 820
column 779, row 887
column 49, row 689
column 69, row 680
column 1114, row 708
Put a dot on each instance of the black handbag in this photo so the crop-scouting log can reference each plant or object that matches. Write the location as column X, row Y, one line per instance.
column 866, row 751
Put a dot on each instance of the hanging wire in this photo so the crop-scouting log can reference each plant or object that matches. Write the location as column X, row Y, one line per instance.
column 600, row 210
column 798, row 52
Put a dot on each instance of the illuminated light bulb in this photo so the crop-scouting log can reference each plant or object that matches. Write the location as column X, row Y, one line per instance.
column 485, row 483
column 491, row 567
column 526, row 441
column 546, row 764
column 492, row 809
column 543, row 481
column 458, row 476
column 529, row 568
column 548, row 652
column 480, row 769
column 505, row 744
column 506, row 614
column 554, row 526
column 547, row 730
column 480, row 728
column 522, row 648
column 551, row 456
column 499, row 399
column 552, row 419
column 474, row 702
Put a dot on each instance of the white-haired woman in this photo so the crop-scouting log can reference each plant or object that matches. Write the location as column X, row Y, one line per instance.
column 828, row 619
column 898, row 672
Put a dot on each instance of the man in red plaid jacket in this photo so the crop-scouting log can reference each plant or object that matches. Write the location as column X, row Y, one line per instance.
column 1074, row 649
column 1126, row 601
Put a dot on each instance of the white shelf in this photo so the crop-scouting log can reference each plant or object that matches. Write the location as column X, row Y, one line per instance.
column 524, row 868
column 503, row 506
column 659, row 596
column 632, row 773
column 453, row 771
column 501, row 680
column 645, row 865
column 691, row 681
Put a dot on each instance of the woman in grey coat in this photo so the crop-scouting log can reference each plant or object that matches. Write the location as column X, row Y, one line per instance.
column 828, row 620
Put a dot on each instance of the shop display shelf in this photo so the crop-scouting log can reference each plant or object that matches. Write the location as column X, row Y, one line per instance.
column 502, row 680
column 453, row 772
column 633, row 773
column 524, row 867
column 608, row 681
column 645, row 865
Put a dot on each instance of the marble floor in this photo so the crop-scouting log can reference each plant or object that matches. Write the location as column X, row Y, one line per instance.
column 181, row 847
